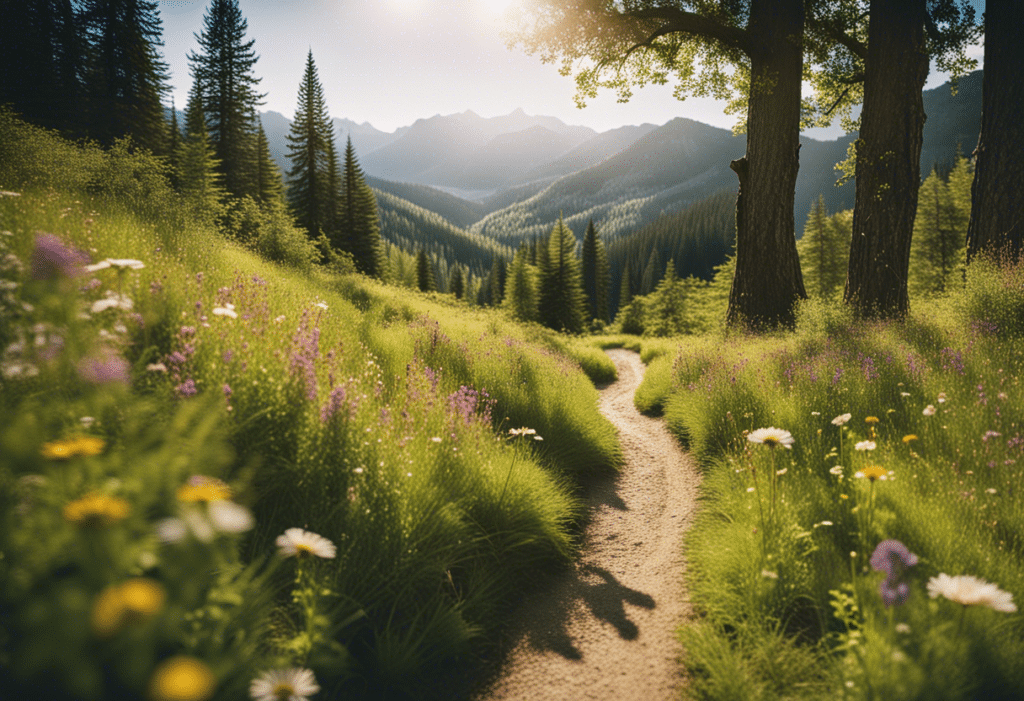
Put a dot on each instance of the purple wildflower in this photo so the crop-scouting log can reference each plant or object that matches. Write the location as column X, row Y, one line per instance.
column 894, row 593
column 176, row 358
column 227, row 390
column 186, row 389
column 51, row 258
column 103, row 369
column 892, row 557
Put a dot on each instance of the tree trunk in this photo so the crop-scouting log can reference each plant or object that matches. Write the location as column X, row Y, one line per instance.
column 997, row 200
column 767, row 282
column 888, row 160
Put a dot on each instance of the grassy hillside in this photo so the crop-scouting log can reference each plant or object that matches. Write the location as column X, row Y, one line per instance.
column 860, row 536
column 212, row 467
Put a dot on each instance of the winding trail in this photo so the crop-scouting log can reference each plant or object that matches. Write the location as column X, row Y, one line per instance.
column 605, row 629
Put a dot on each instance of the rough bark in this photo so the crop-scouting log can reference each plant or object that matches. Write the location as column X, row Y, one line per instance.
column 888, row 168
column 768, row 282
column 997, row 198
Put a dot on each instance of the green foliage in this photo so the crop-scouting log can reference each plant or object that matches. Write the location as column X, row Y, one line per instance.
column 269, row 231
column 425, row 278
column 521, row 298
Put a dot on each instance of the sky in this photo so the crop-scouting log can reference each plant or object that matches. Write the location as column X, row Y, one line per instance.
column 391, row 62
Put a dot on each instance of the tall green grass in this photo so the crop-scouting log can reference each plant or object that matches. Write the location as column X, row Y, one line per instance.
column 779, row 558
column 333, row 404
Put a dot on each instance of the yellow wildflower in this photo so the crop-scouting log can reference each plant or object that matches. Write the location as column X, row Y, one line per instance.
column 96, row 509
column 133, row 601
column 67, row 448
column 871, row 419
column 873, row 472
column 909, row 437
column 182, row 678
column 203, row 488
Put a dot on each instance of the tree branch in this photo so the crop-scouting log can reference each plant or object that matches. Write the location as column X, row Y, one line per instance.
column 854, row 46
column 679, row 21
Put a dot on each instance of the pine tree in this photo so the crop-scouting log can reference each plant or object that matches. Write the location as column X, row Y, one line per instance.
column 457, row 285
column 562, row 305
column 174, row 145
column 42, row 63
column 625, row 288
column 496, row 282
column 126, row 78
column 938, row 247
column 425, row 279
column 521, row 286
column 359, row 227
column 595, row 274
column 269, row 184
column 310, row 151
column 198, row 174
column 652, row 272
column 823, row 252
column 223, row 70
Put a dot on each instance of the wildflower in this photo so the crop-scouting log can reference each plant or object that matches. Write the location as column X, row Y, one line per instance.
column 296, row 542
column 872, row 472
column 119, row 263
column 186, row 389
column 51, row 258
column 841, row 419
column 815, row 413
column 768, row 574
column 112, row 300
column 902, row 628
column 894, row 592
column 436, row 439
column 156, row 367
column 227, row 310
column 182, row 678
column 909, row 437
column 204, row 489
column 942, row 398
column 971, row 591
column 68, row 448
column 823, row 523
column 229, row 517
column 865, row 445
column 134, row 601
column 782, row 471
column 521, row 431
column 892, row 557
column 96, row 509
column 294, row 684
column 772, row 437
column 929, row 410
column 104, row 368
column 322, row 305
column 990, row 490
column 871, row 419
column 989, row 435
column 836, row 470
column 904, row 394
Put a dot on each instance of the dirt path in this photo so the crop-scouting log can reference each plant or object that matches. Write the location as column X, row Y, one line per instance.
column 605, row 630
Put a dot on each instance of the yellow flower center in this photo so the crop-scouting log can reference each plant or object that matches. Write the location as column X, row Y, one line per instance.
column 133, row 601
column 908, row 438
column 182, row 679
column 283, row 691
column 770, row 441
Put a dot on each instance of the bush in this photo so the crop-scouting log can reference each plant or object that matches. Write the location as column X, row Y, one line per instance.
column 269, row 232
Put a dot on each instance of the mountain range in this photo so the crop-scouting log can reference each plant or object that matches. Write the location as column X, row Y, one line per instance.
column 511, row 177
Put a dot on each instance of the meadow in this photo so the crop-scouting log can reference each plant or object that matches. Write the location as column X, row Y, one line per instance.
column 225, row 477
column 860, row 529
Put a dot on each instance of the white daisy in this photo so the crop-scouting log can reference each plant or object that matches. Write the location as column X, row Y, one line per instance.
column 229, row 517
column 865, row 445
column 929, row 410
column 296, row 541
column 836, row 470
column 971, row 591
column 772, row 437
column 293, row 684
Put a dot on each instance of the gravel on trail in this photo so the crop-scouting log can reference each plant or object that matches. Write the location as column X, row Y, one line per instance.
column 605, row 630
